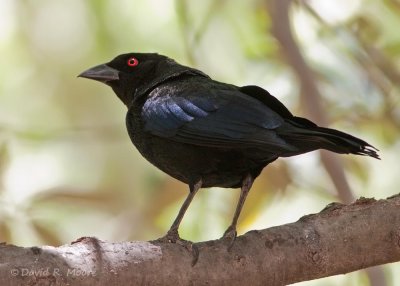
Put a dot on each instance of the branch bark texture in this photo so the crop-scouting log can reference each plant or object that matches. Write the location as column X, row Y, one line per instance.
column 339, row 239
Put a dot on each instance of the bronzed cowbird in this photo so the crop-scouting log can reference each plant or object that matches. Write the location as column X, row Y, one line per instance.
column 207, row 133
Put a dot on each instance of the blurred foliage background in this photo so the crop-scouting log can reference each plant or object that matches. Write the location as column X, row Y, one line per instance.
column 68, row 168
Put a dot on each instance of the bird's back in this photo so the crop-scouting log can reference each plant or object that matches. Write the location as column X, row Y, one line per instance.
column 192, row 127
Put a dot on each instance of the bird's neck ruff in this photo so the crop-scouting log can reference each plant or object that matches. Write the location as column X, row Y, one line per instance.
column 176, row 71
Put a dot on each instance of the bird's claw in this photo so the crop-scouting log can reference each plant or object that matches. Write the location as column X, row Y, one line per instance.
column 192, row 248
column 172, row 236
column 230, row 234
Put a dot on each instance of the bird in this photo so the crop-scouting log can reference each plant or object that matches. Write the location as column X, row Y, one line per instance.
column 207, row 133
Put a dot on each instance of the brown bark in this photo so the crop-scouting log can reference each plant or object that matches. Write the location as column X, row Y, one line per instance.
column 339, row 239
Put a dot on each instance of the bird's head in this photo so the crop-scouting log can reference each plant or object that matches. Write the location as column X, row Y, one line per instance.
column 132, row 75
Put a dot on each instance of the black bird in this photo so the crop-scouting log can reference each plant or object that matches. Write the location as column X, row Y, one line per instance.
column 206, row 133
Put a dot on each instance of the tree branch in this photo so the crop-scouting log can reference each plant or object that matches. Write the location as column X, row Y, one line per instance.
column 339, row 239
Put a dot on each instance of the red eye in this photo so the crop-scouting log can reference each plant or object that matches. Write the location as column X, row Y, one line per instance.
column 132, row 62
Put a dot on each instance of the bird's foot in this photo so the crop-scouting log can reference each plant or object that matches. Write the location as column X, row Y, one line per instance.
column 172, row 236
column 230, row 234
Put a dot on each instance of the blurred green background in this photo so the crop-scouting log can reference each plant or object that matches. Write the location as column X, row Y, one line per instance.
column 68, row 168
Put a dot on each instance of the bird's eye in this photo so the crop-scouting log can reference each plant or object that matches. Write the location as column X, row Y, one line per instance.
column 132, row 62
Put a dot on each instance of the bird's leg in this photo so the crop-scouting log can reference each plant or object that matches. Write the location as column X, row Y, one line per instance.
column 231, row 231
column 173, row 235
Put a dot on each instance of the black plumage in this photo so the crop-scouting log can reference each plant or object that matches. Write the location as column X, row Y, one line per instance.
column 207, row 133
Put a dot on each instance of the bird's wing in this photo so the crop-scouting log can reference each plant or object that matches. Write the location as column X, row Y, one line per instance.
column 272, row 102
column 219, row 117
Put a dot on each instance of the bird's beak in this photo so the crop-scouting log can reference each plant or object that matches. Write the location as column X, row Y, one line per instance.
column 102, row 73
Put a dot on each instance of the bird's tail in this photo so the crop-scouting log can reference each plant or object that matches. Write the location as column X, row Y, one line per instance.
column 313, row 137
